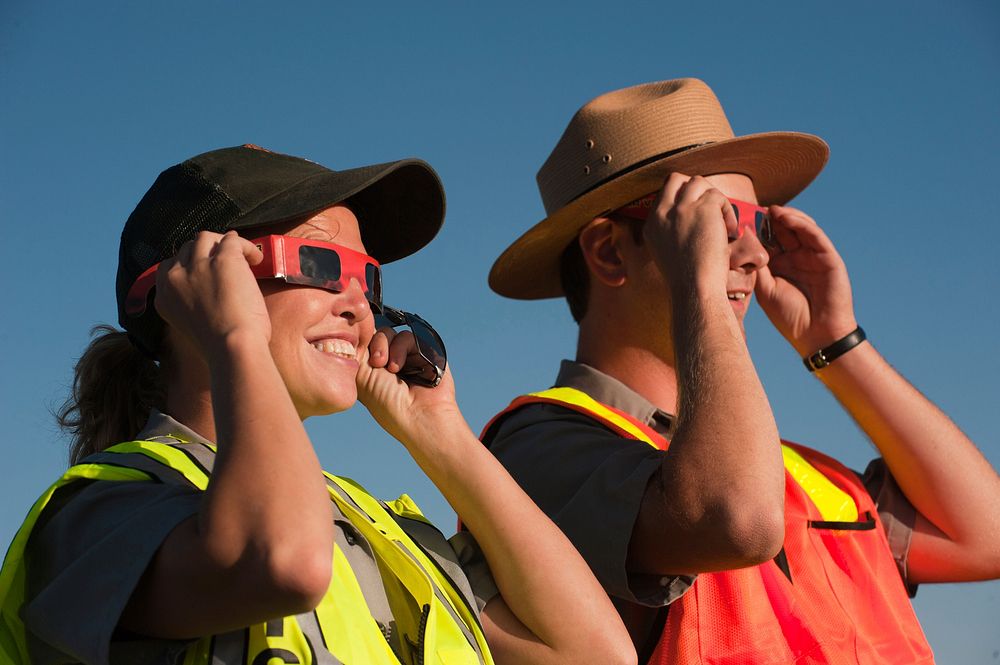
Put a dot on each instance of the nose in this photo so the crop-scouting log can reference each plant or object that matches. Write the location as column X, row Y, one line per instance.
column 351, row 303
column 747, row 254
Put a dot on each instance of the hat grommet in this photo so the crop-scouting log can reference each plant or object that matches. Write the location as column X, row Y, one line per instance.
column 606, row 159
column 586, row 169
column 590, row 144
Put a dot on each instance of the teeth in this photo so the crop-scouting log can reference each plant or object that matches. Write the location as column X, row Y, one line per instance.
column 337, row 347
column 737, row 296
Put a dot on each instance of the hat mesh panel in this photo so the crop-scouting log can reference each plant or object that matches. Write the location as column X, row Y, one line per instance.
column 178, row 205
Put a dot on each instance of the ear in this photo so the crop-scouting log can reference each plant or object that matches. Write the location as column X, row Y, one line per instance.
column 599, row 243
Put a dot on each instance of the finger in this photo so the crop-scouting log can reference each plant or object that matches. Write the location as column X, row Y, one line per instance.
column 378, row 348
column 232, row 241
column 800, row 229
column 765, row 284
column 403, row 347
column 668, row 194
column 205, row 244
column 693, row 189
column 728, row 214
column 231, row 244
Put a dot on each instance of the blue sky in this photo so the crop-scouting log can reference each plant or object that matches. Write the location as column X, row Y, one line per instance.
column 98, row 98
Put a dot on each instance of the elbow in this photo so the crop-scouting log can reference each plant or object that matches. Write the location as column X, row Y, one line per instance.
column 735, row 533
column 282, row 579
column 298, row 578
column 753, row 534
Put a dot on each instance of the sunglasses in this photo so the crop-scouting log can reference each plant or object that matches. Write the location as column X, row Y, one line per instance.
column 297, row 261
column 748, row 215
column 433, row 358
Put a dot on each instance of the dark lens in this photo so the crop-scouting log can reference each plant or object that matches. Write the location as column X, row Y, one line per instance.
column 762, row 222
column 388, row 317
column 319, row 263
column 373, row 278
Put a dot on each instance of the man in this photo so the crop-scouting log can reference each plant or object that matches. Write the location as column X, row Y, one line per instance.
column 759, row 550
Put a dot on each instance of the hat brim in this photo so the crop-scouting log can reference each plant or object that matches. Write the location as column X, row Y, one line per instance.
column 400, row 205
column 780, row 164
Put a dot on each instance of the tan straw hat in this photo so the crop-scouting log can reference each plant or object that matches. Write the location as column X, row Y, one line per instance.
column 621, row 146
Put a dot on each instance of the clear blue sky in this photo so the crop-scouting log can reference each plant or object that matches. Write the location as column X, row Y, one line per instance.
column 97, row 98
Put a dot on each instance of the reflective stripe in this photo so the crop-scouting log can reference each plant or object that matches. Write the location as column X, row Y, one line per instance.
column 310, row 628
column 229, row 648
column 578, row 398
column 155, row 469
column 422, row 532
column 167, row 455
column 834, row 504
column 362, row 562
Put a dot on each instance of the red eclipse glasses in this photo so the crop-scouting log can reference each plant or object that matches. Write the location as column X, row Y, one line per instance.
column 749, row 216
column 330, row 266
column 297, row 261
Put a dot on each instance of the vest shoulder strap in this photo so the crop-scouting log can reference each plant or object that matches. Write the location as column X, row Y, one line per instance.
column 617, row 421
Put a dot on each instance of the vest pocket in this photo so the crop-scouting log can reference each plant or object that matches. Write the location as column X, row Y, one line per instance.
column 867, row 524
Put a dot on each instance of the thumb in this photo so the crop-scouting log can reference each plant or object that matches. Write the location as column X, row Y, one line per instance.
column 364, row 376
column 766, row 287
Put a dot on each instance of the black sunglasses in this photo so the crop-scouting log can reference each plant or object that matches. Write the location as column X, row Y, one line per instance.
column 430, row 347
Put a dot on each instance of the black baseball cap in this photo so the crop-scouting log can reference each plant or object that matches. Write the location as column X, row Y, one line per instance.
column 400, row 208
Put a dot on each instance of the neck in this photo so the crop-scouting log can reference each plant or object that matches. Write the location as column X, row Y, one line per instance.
column 189, row 398
column 646, row 370
column 194, row 411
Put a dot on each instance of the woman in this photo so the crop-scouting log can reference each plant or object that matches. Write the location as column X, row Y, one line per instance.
column 135, row 556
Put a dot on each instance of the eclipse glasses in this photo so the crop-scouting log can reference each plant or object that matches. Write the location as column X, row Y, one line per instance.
column 749, row 216
column 329, row 266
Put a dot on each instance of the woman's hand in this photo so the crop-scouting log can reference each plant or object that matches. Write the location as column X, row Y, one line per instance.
column 410, row 413
column 207, row 291
column 805, row 290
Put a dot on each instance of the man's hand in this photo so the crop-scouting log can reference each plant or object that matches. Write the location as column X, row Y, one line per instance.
column 688, row 233
column 804, row 289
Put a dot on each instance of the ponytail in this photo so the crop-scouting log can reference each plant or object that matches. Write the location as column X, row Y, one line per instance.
column 114, row 388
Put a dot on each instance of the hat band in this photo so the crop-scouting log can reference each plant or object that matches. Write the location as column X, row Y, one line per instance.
column 634, row 167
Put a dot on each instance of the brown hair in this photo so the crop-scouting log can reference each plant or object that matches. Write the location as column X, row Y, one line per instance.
column 114, row 388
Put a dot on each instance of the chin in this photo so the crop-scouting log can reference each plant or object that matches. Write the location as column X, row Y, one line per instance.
column 342, row 401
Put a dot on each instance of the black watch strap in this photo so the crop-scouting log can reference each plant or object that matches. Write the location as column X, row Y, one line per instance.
column 827, row 355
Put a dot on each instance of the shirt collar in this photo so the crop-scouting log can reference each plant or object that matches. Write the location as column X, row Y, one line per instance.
column 609, row 390
column 161, row 426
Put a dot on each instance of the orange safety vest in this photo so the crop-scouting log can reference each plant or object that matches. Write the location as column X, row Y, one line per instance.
column 833, row 595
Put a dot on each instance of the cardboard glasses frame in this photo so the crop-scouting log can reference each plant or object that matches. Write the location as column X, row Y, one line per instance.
column 330, row 266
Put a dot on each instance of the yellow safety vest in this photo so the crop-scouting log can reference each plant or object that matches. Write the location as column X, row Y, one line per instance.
column 447, row 628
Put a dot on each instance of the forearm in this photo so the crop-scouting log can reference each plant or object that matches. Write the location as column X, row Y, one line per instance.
column 938, row 468
column 723, row 480
column 266, row 469
column 261, row 543
column 541, row 577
